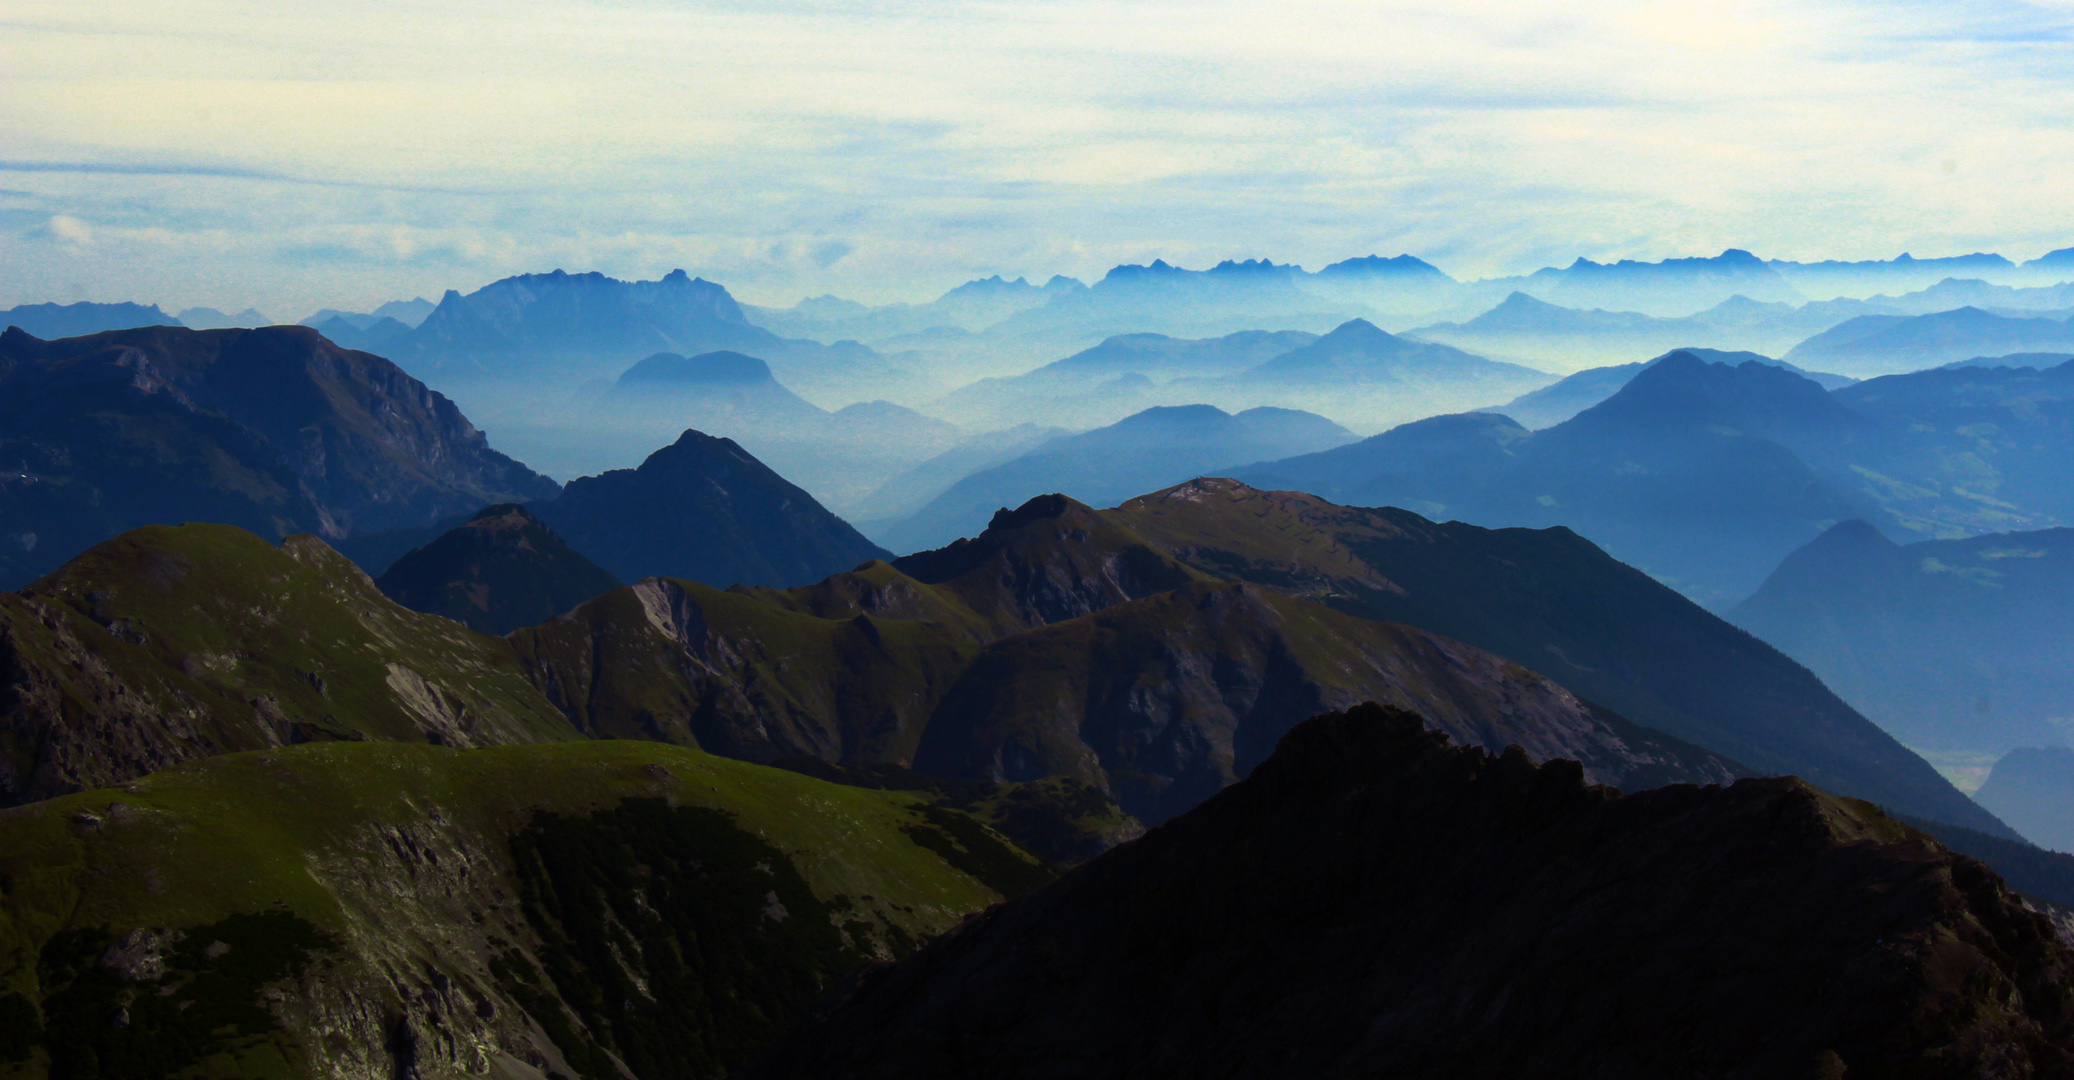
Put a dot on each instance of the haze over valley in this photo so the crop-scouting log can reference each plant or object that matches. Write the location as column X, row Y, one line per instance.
column 699, row 541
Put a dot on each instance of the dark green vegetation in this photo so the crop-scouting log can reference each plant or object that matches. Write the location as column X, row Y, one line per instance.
column 704, row 509
column 2032, row 788
column 275, row 430
column 1375, row 902
column 500, row 570
column 1055, row 643
column 1706, row 475
column 1949, row 644
column 403, row 910
column 171, row 643
column 1554, row 600
column 152, row 1005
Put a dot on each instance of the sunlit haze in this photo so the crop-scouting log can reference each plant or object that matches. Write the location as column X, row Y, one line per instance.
column 233, row 153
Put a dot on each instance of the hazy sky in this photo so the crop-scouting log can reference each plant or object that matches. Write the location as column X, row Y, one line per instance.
column 222, row 152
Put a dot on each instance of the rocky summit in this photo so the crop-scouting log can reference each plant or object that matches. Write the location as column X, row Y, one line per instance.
column 1375, row 902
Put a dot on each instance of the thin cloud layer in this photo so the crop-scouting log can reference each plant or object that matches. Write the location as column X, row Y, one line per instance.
column 225, row 152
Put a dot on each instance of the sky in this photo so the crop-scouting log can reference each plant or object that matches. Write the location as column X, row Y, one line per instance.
column 231, row 153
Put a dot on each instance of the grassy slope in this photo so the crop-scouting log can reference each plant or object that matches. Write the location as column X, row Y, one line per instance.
column 173, row 642
column 400, row 853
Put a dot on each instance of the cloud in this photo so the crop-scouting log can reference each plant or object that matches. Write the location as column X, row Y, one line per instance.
column 886, row 149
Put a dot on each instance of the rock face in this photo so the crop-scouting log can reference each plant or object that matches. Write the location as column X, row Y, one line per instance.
column 1374, row 902
column 706, row 510
column 275, row 430
column 1551, row 599
column 501, row 570
column 173, row 643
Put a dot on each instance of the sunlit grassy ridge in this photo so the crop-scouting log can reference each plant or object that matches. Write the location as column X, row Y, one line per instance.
column 400, row 857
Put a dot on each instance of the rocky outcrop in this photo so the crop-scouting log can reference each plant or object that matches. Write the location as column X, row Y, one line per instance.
column 1375, row 902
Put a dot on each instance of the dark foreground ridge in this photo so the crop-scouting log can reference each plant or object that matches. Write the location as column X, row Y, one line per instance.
column 1375, row 902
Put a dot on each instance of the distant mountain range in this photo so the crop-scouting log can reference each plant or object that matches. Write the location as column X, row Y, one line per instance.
column 275, row 430
column 203, row 318
column 50, row 321
column 1556, row 602
column 1707, row 475
column 840, row 456
column 1150, row 450
column 1357, row 374
column 1559, row 401
column 569, row 327
column 1873, row 345
column 1949, row 644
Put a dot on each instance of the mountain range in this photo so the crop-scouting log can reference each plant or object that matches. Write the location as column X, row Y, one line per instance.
column 1949, row 644
column 1552, row 600
column 1565, row 398
column 1356, row 373
column 840, row 456
column 1873, row 345
column 1708, row 475
column 275, row 430
column 1150, row 450
column 1048, row 679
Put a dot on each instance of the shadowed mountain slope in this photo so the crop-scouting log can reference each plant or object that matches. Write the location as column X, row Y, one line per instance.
column 588, row 910
column 501, row 570
column 1949, row 644
column 276, row 430
column 172, row 643
column 703, row 508
column 1552, row 599
column 1685, row 472
column 1374, row 902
